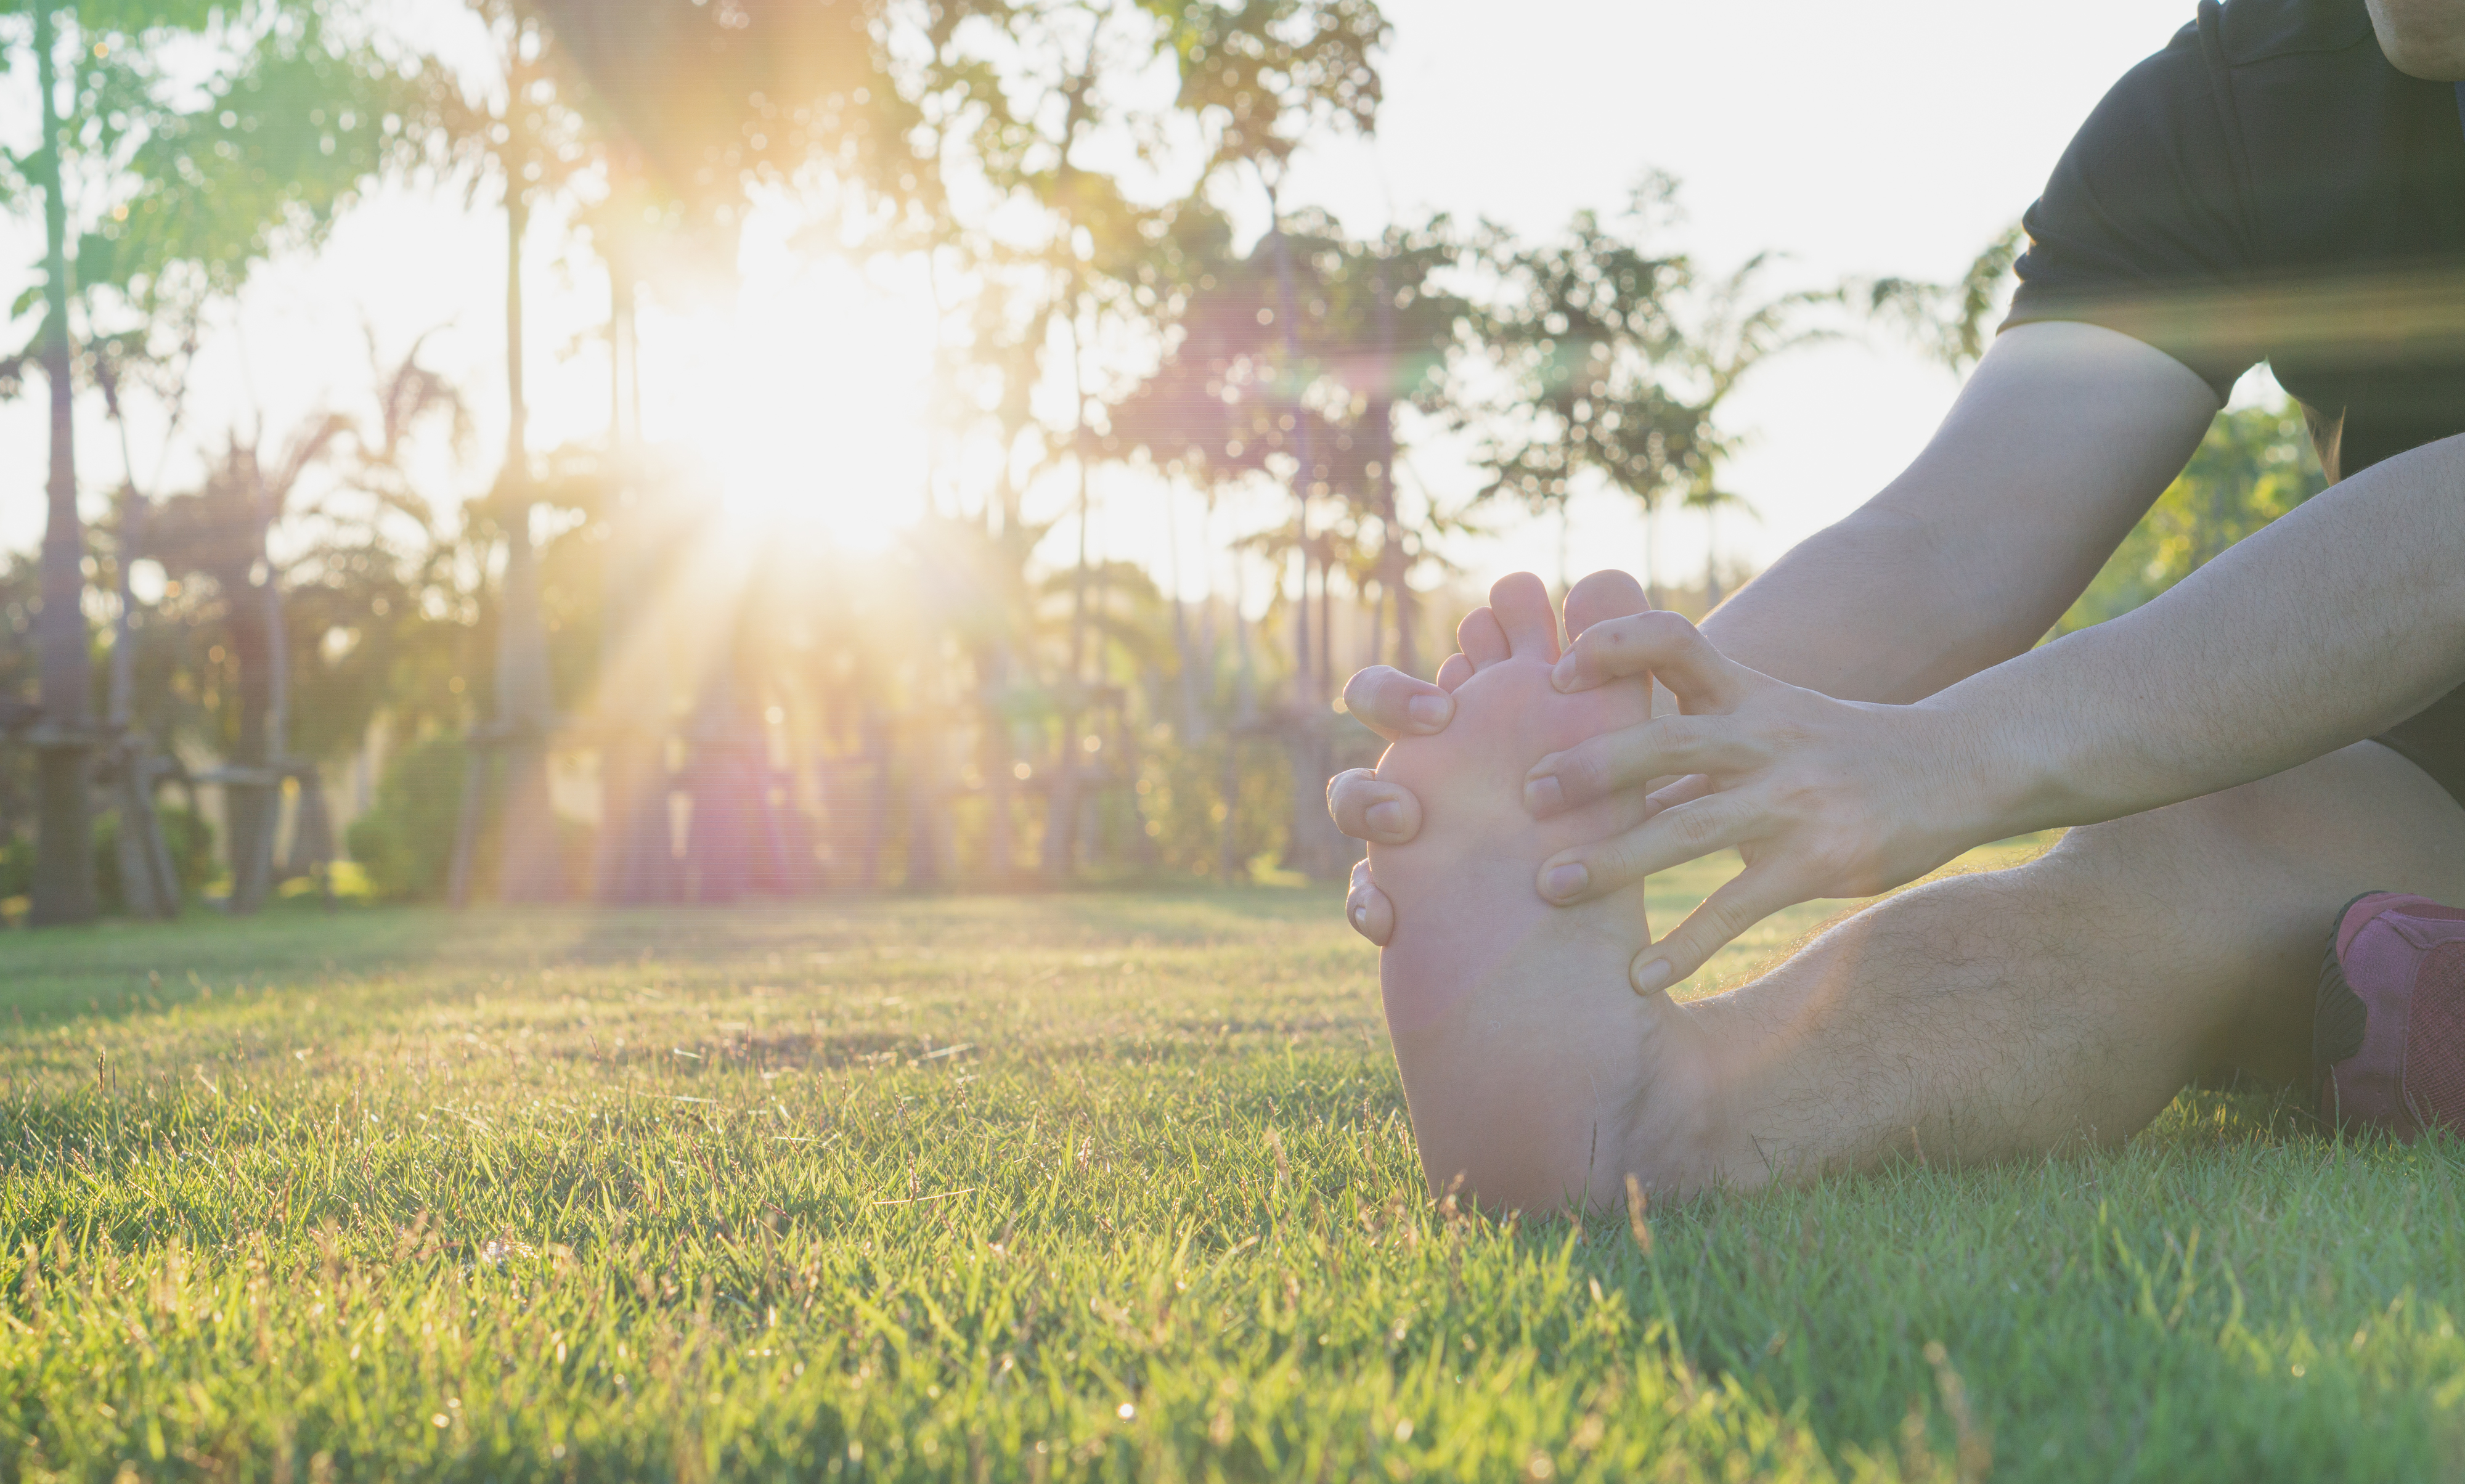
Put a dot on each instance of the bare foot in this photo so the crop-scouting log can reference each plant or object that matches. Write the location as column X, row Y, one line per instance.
column 1533, row 1073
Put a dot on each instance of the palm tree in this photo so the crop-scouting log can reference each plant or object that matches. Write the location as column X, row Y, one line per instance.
column 687, row 105
column 220, row 533
column 204, row 173
column 1624, row 359
column 63, row 887
column 1708, row 501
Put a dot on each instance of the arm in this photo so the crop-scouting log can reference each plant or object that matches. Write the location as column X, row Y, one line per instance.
column 2339, row 620
column 2060, row 441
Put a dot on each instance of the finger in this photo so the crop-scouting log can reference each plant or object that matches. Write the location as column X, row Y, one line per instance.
column 1394, row 704
column 1520, row 604
column 1367, row 807
column 1686, row 790
column 1746, row 899
column 1366, row 908
column 1482, row 641
column 1659, row 643
column 1670, row 839
column 1601, row 597
column 1455, row 671
column 1613, row 761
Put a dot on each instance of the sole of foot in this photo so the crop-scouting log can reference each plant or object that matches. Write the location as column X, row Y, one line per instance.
column 1538, row 1079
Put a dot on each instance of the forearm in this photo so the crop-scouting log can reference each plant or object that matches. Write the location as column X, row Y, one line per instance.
column 2337, row 621
column 2063, row 437
column 1861, row 610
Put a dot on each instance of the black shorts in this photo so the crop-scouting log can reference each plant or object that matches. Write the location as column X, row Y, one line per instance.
column 2433, row 740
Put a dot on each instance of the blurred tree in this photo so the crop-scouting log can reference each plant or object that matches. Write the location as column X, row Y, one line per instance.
column 1621, row 359
column 1032, row 92
column 218, row 535
column 511, row 125
column 1260, row 78
column 1952, row 322
column 296, row 580
column 689, row 107
column 192, row 135
column 1708, row 500
column 1229, row 407
column 1589, row 336
column 2255, row 464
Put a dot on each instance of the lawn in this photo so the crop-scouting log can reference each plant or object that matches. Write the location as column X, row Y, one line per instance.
column 1077, row 1186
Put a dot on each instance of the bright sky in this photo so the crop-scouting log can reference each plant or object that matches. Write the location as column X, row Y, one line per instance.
column 1858, row 141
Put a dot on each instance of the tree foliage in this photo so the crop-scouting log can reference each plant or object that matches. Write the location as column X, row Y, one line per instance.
column 2255, row 464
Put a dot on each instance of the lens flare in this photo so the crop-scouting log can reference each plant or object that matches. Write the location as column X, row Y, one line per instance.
column 806, row 399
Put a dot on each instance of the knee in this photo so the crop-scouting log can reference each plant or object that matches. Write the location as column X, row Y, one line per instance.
column 2167, row 841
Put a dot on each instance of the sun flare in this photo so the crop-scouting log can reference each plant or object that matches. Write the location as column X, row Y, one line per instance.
column 806, row 399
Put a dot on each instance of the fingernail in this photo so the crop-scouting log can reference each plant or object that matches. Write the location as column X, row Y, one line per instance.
column 1653, row 977
column 1385, row 819
column 1429, row 713
column 1361, row 917
column 1543, row 795
column 1561, row 672
column 1565, row 880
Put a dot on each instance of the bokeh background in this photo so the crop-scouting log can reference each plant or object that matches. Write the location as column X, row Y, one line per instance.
column 659, row 451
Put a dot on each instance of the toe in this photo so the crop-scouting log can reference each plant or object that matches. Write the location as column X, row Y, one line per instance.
column 1602, row 596
column 1366, row 908
column 1522, row 605
column 1454, row 673
column 1482, row 641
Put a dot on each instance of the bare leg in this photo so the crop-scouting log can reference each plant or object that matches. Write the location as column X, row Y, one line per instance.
column 1987, row 1016
column 2068, row 1000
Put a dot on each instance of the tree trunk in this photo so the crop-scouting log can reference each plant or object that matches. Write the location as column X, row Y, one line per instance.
column 1305, row 732
column 1079, row 457
column 268, row 747
column 1245, row 714
column 63, row 885
column 1060, row 846
column 312, row 831
column 1651, row 553
column 1304, row 686
column 150, row 887
column 120, row 708
column 729, row 779
column 250, row 808
column 529, row 868
column 1184, row 661
column 636, row 849
column 1326, row 621
column 1392, row 567
column 1712, row 593
column 924, row 836
column 874, row 729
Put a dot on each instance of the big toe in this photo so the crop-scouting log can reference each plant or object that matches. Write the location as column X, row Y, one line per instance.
column 1522, row 608
column 1601, row 597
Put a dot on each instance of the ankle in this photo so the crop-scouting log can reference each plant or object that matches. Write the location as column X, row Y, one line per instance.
column 1680, row 1130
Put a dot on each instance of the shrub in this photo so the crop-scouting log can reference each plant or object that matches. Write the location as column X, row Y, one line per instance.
column 405, row 842
column 188, row 834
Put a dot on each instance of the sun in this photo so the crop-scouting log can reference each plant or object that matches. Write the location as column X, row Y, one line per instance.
column 806, row 398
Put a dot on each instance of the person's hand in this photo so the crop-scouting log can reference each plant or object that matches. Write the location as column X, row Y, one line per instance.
column 1392, row 705
column 1396, row 705
column 1820, row 797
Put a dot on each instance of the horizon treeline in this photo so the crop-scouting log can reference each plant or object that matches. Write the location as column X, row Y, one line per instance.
column 536, row 674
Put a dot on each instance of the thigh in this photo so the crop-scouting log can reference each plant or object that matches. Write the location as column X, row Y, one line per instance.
column 2227, row 900
column 2012, row 1012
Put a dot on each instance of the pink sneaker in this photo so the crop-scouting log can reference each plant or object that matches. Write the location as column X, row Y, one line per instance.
column 2388, row 1039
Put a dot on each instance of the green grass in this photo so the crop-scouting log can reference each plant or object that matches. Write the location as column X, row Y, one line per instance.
column 1076, row 1186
